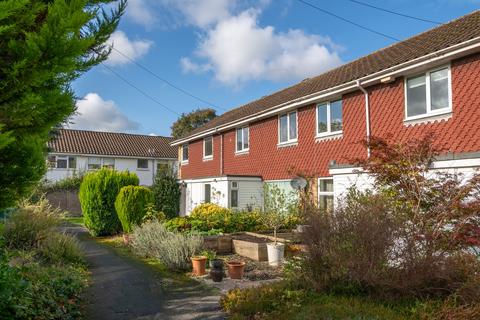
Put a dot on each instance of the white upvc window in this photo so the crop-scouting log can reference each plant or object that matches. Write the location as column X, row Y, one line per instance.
column 108, row 163
column 207, row 197
column 325, row 193
column 287, row 128
column 428, row 94
column 208, row 148
column 185, row 153
column 329, row 118
column 234, row 194
column 62, row 162
column 242, row 139
column 94, row 163
column 142, row 164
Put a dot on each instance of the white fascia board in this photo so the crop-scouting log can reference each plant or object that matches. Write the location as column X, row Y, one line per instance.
column 435, row 58
column 108, row 156
column 219, row 179
column 339, row 171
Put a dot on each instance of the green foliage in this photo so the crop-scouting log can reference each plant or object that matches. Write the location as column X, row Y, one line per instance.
column 167, row 192
column 98, row 193
column 22, row 164
column 151, row 214
column 45, row 46
column 173, row 249
column 29, row 225
column 71, row 183
column 191, row 121
column 42, row 275
column 278, row 206
column 131, row 204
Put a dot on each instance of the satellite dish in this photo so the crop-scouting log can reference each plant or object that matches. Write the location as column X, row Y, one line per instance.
column 298, row 183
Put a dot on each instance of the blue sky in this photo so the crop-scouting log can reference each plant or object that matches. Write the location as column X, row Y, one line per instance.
column 231, row 52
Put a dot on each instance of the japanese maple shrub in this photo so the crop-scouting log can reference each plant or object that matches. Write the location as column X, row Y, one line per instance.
column 98, row 193
column 131, row 205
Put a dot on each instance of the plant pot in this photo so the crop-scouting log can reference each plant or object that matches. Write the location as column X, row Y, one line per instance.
column 236, row 269
column 199, row 265
column 217, row 275
column 275, row 253
column 216, row 264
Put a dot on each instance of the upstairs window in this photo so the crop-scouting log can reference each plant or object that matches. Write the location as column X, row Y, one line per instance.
column 185, row 153
column 329, row 118
column 242, row 139
column 428, row 94
column 142, row 163
column 287, row 124
column 208, row 148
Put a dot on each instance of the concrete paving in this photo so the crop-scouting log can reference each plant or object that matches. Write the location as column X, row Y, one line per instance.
column 124, row 289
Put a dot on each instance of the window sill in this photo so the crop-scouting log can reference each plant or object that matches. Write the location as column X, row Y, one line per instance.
column 184, row 163
column 143, row 169
column 329, row 136
column 208, row 159
column 445, row 115
column 242, row 152
column 287, row 144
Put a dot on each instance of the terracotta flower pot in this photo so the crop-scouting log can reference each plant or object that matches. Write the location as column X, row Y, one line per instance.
column 236, row 269
column 199, row 265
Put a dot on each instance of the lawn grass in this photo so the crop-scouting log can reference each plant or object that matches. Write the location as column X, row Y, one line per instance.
column 75, row 220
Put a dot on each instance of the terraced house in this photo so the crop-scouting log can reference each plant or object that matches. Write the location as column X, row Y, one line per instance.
column 79, row 151
column 430, row 82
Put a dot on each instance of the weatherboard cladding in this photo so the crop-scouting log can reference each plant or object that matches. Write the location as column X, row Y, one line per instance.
column 442, row 37
column 112, row 144
column 457, row 134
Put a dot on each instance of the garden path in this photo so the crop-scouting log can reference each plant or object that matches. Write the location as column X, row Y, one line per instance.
column 124, row 289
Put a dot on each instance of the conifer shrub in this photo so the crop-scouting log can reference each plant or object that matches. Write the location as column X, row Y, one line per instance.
column 167, row 192
column 98, row 193
column 131, row 205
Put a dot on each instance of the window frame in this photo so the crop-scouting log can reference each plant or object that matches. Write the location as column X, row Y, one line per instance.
column 99, row 164
column 185, row 146
column 329, row 131
column 289, row 141
column 205, row 193
column 237, row 189
column 325, row 193
column 53, row 164
column 209, row 157
column 107, row 166
column 243, row 150
column 142, row 168
column 429, row 113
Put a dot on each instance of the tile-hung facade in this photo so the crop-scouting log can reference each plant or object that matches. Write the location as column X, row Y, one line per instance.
column 430, row 82
column 79, row 151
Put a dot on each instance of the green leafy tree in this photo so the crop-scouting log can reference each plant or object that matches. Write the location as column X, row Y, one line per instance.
column 191, row 121
column 44, row 46
column 166, row 191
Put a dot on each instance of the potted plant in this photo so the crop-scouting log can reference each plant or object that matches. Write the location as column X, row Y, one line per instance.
column 236, row 269
column 199, row 264
column 276, row 208
column 216, row 270
column 211, row 255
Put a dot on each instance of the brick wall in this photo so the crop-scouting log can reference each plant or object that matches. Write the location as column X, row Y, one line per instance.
column 460, row 133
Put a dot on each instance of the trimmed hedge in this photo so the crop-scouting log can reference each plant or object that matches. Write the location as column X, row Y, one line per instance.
column 131, row 204
column 98, row 193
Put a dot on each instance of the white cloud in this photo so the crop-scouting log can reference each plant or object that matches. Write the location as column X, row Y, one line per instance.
column 133, row 49
column 237, row 50
column 94, row 113
column 205, row 12
column 141, row 12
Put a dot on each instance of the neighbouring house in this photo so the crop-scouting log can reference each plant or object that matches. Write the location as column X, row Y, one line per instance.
column 79, row 151
column 429, row 82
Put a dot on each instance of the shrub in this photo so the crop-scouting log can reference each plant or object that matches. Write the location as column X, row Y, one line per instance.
column 98, row 193
column 167, row 192
column 29, row 225
column 131, row 204
column 171, row 248
column 58, row 248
